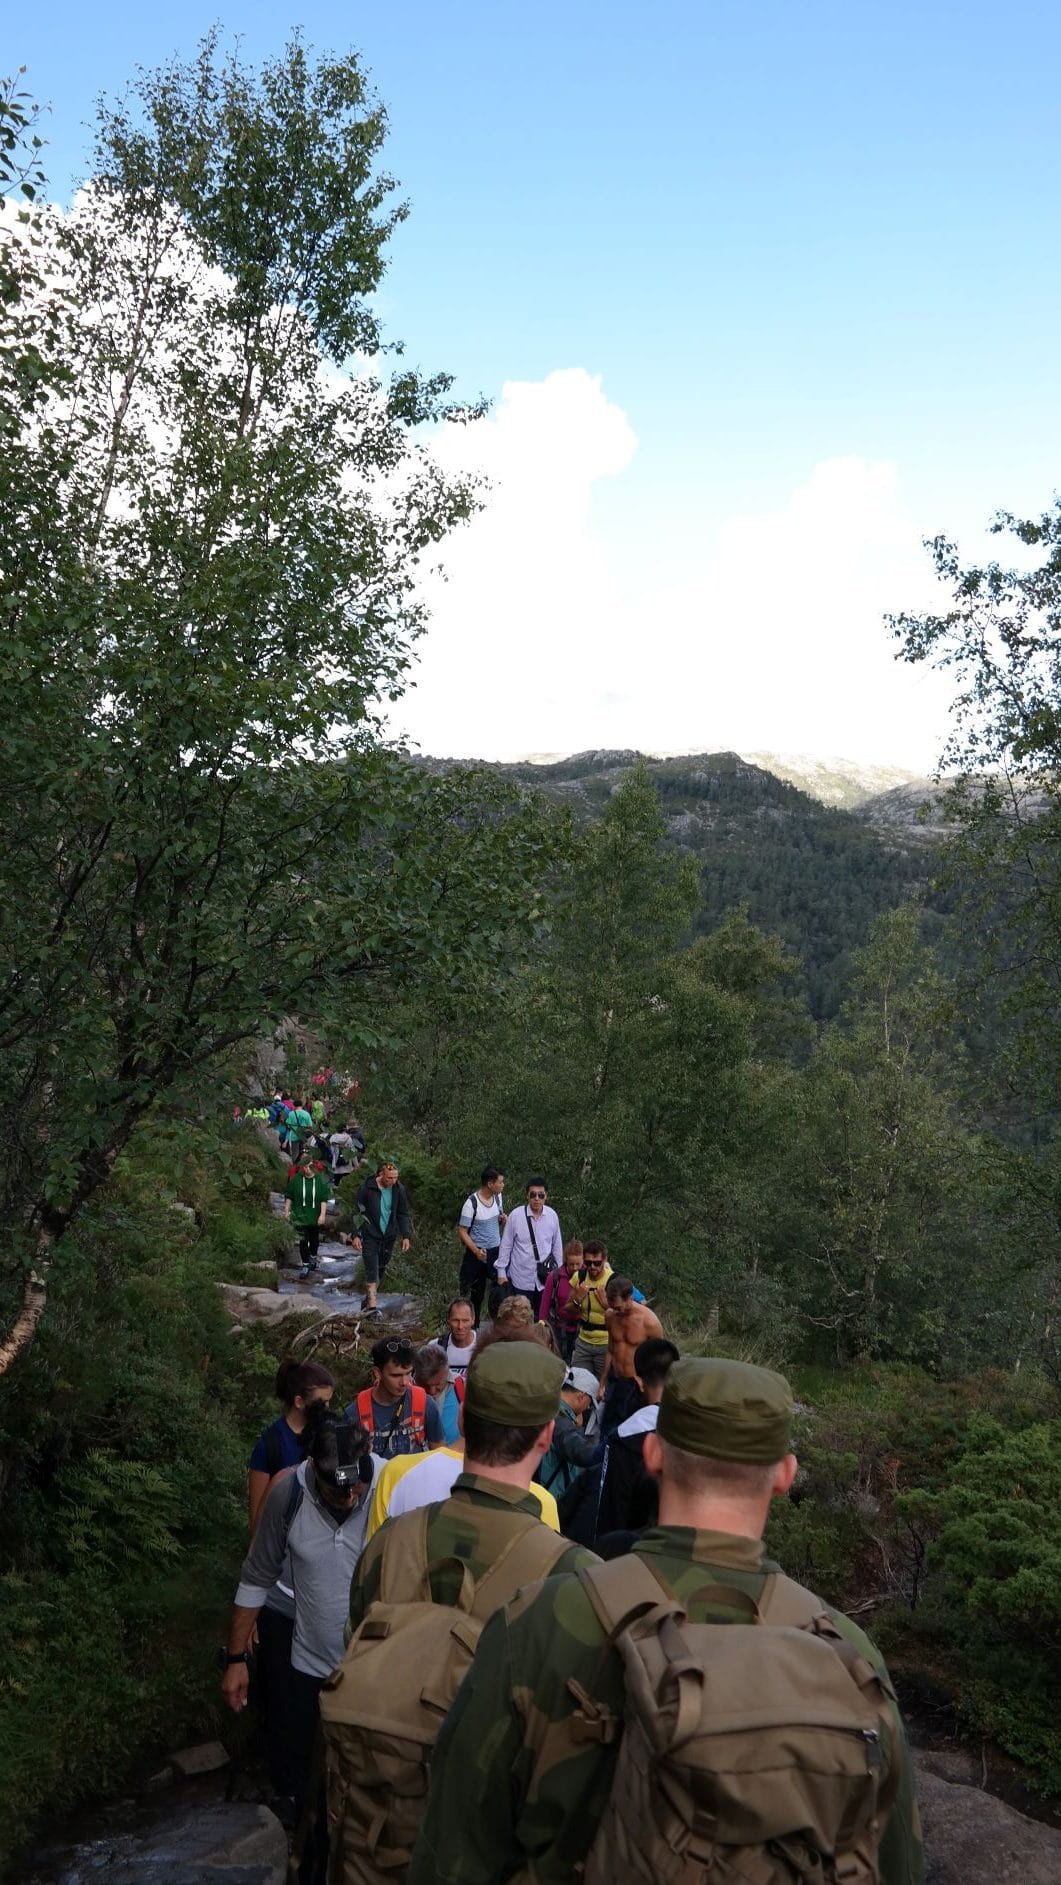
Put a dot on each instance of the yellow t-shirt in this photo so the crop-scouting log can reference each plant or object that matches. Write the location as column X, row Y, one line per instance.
column 397, row 1468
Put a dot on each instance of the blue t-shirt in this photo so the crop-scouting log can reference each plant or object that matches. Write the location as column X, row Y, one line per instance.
column 449, row 1407
column 288, row 1452
column 386, row 1199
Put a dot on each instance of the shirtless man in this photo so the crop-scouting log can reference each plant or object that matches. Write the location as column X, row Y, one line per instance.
column 629, row 1324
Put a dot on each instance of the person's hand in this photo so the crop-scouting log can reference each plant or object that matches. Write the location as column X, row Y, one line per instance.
column 602, row 1389
column 355, row 1243
column 405, row 1246
column 235, row 1685
column 502, row 1220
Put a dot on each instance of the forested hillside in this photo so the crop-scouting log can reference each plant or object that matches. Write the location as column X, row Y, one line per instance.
column 813, row 875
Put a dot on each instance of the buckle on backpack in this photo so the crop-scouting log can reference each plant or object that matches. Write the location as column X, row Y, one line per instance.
column 592, row 1722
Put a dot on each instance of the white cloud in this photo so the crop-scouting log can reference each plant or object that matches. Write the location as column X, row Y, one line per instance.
column 770, row 636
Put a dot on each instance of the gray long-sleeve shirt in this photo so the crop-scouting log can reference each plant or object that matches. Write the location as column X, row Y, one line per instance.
column 323, row 1554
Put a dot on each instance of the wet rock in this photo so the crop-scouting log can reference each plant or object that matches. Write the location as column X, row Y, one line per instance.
column 204, row 1759
column 264, row 1306
column 972, row 1838
column 192, row 1845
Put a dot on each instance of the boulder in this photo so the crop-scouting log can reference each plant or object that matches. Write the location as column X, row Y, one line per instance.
column 234, row 1844
column 972, row 1838
column 207, row 1758
column 264, row 1306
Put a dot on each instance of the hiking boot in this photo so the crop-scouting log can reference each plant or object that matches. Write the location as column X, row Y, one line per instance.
column 308, row 1269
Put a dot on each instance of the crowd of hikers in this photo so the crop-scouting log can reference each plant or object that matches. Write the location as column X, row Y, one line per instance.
column 509, row 1612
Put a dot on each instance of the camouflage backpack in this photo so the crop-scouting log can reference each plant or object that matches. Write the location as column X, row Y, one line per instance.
column 752, row 1753
column 382, row 1708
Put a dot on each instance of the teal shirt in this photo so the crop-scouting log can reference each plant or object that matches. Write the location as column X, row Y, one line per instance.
column 386, row 1199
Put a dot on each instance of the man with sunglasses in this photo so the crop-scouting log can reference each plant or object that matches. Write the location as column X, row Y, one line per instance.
column 398, row 1416
column 530, row 1248
column 590, row 1291
column 317, row 1516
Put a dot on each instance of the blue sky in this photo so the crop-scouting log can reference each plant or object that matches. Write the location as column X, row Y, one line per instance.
column 780, row 285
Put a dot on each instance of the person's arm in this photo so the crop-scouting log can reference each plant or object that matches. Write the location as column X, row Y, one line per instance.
column 547, row 1296
column 556, row 1247
column 508, row 1238
column 258, row 1484
column 464, row 1232
column 902, row 1859
column 322, row 1214
column 365, row 1588
column 577, row 1449
column 405, row 1219
column 261, row 1568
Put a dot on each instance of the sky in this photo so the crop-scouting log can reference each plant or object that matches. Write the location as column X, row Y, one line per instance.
column 761, row 297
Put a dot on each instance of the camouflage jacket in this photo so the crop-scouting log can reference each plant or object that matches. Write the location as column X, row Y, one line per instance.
column 514, row 1791
column 464, row 1526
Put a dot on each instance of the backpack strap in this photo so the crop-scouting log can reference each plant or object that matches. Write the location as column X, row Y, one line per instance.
column 404, row 1561
column 627, row 1590
column 458, row 1388
column 366, row 1410
column 528, row 1556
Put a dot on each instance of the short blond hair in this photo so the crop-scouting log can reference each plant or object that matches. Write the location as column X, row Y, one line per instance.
column 514, row 1309
column 734, row 1479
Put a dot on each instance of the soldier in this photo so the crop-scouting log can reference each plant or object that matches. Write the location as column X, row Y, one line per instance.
column 512, row 1388
column 380, row 1719
column 523, row 1769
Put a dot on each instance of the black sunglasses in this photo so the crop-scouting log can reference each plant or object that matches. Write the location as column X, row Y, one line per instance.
column 535, row 1194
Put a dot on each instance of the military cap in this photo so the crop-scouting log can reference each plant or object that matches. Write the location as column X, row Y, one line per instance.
column 727, row 1410
column 514, row 1384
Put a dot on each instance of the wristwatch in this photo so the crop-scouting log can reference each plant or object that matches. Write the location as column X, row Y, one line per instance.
column 226, row 1657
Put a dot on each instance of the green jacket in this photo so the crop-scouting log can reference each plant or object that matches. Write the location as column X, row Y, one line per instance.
column 512, row 1787
column 458, row 1529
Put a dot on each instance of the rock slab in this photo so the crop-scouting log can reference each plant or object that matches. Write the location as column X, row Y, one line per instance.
column 194, row 1845
column 972, row 1838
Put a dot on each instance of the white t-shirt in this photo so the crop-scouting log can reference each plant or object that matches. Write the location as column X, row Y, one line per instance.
column 430, row 1479
column 459, row 1358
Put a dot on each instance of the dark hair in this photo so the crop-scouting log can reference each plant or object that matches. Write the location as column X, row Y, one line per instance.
column 535, row 1181
column 486, row 1444
column 430, row 1362
column 489, row 1173
column 392, row 1348
column 458, row 1302
column 619, row 1286
column 295, row 1377
column 322, row 1425
column 653, row 1361
column 594, row 1248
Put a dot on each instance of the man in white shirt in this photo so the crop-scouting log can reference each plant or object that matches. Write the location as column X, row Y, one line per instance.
column 532, row 1237
column 481, row 1223
column 458, row 1337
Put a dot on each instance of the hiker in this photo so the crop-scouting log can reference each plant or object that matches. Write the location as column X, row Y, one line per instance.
column 530, row 1247
column 299, row 1385
column 383, row 1204
column 514, row 1312
column 398, row 1416
column 458, row 1336
column 412, row 1480
column 572, row 1448
column 539, row 1771
column 346, row 1146
column 629, row 1324
column 558, row 1307
column 431, row 1372
column 423, row 1574
column 618, row 1497
column 314, row 1518
column 307, row 1196
column 482, row 1220
column 589, row 1291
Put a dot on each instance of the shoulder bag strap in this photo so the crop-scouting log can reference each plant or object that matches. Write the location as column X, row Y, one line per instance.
column 404, row 1560
column 530, row 1227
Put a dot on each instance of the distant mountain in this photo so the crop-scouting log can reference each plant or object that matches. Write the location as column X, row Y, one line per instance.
column 813, row 873
column 844, row 783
